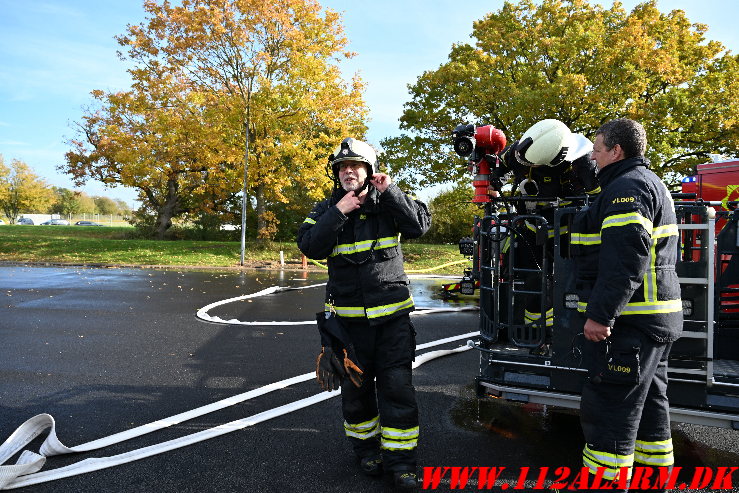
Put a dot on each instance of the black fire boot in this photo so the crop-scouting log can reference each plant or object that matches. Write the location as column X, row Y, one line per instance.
column 405, row 480
column 371, row 465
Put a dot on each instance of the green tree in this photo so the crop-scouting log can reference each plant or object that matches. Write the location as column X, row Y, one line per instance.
column 452, row 212
column 86, row 203
column 582, row 64
column 66, row 202
column 208, row 74
column 22, row 191
column 105, row 205
column 122, row 207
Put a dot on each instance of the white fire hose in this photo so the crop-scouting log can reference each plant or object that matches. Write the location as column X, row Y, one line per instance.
column 27, row 469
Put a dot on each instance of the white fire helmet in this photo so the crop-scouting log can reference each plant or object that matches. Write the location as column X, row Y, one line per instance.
column 545, row 143
column 354, row 150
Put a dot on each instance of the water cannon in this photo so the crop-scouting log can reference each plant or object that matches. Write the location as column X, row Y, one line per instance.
column 480, row 145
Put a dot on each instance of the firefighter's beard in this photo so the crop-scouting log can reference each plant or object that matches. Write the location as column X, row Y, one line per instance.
column 352, row 184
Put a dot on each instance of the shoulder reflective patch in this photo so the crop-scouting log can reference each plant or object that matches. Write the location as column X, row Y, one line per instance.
column 309, row 220
column 623, row 200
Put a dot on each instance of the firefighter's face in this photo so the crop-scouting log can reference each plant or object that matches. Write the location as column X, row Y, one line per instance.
column 602, row 155
column 352, row 175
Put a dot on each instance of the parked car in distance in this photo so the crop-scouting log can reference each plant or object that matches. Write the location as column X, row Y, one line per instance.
column 2, row 222
column 86, row 223
column 26, row 220
column 55, row 222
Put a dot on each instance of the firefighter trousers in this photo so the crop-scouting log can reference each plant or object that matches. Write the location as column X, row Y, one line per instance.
column 382, row 414
column 624, row 411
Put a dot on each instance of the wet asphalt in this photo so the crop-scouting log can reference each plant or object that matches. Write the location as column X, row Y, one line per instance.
column 106, row 350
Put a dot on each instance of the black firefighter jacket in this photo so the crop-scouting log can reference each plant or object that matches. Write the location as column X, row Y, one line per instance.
column 365, row 261
column 625, row 249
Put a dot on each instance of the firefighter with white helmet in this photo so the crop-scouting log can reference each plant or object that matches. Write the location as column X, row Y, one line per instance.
column 367, row 336
column 548, row 163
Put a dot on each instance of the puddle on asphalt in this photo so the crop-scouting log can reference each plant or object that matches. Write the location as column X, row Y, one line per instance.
column 540, row 429
column 544, row 430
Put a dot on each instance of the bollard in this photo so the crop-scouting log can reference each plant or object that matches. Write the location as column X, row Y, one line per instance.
column 282, row 259
column 304, row 262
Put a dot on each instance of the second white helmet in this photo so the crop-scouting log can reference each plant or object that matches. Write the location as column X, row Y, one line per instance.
column 545, row 143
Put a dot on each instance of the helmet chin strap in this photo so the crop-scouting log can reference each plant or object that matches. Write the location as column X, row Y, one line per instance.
column 363, row 187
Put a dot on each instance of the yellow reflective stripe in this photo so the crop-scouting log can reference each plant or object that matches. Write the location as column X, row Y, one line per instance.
column 363, row 246
column 349, row 248
column 363, row 430
column 585, row 238
column 362, row 436
column 534, row 316
column 665, row 231
column 593, row 191
column 658, row 453
column 388, row 242
column 550, row 231
column 644, row 307
column 506, row 244
column 650, row 276
column 309, row 220
column 384, row 310
column 651, row 460
column 658, row 446
column 390, row 445
column 400, row 433
column 399, row 439
column 648, row 307
column 373, row 312
column 346, row 311
column 366, row 425
column 593, row 459
column 624, row 219
column 609, row 473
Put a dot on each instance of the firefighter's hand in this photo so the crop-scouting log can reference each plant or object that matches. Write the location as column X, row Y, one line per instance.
column 329, row 370
column 348, row 203
column 381, row 181
column 596, row 332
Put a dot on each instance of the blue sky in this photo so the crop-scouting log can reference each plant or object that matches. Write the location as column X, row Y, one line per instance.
column 53, row 53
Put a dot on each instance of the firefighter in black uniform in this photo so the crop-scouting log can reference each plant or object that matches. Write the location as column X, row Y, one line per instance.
column 547, row 164
column 357, row 229
column 625, row 248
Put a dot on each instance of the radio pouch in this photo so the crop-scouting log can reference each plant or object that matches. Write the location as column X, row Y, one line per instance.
column 619, row 365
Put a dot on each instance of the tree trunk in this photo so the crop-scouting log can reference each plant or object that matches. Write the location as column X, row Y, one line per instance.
column 261, row 209
column 167, row 210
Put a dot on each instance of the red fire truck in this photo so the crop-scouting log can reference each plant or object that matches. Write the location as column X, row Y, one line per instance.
column 704, row 364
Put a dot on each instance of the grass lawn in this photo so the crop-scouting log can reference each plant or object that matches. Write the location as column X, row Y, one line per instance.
column 112, row 246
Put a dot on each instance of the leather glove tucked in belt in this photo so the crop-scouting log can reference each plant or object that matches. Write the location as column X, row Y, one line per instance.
column 329, row 370
column 338, row 356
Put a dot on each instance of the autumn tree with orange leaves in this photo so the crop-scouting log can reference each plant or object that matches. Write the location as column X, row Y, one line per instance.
column 208, row 77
